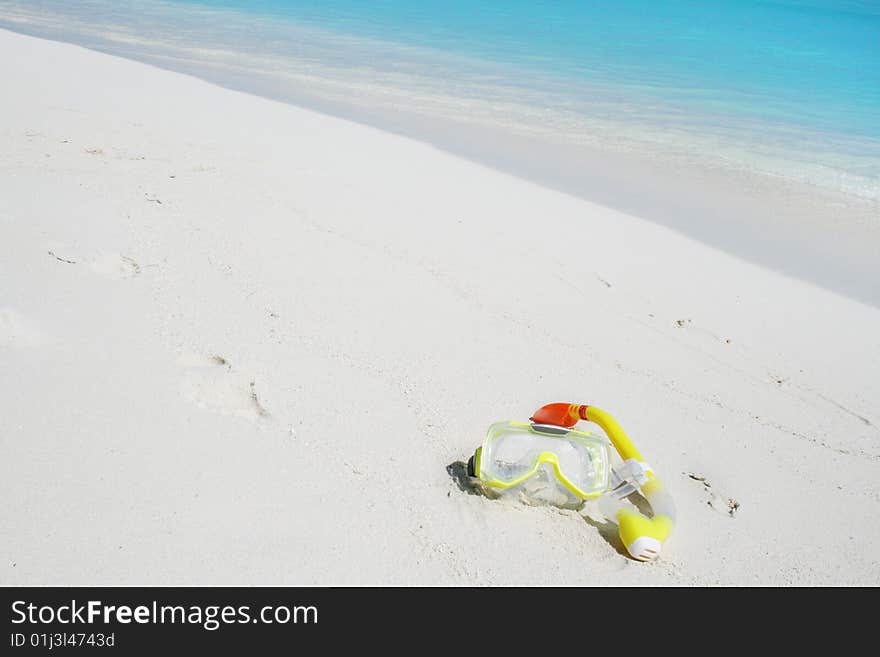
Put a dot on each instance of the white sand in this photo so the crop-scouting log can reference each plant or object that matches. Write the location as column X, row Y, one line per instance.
column 241, row 342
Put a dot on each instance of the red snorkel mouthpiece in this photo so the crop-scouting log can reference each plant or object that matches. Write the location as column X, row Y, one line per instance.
column 560, row 414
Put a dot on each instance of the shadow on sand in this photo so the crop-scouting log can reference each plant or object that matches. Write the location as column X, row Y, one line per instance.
column 458, row 471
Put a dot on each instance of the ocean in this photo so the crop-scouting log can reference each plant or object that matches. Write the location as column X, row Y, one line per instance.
column 790, row 88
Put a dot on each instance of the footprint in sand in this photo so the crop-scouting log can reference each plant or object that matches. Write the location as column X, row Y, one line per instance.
column 717, row 501
column 16, row 330
column 213, row 384
column 706, row 333
column 115, row 266
column 110, row 265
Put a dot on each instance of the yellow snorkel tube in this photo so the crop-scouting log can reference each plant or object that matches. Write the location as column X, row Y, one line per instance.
column 643, row 537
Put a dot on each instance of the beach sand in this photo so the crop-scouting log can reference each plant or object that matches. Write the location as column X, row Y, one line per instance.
column 246, row 343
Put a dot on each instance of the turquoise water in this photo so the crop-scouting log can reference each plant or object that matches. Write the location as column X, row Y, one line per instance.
column 788, row 87
column 812, row 62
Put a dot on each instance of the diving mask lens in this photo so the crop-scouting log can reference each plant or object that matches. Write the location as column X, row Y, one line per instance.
column 513, row 453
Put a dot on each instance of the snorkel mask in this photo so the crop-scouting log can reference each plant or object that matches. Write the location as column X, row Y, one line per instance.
column 548, row 461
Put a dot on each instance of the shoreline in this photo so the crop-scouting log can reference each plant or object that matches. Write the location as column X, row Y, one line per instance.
column 255, row 346
column 773, row 221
